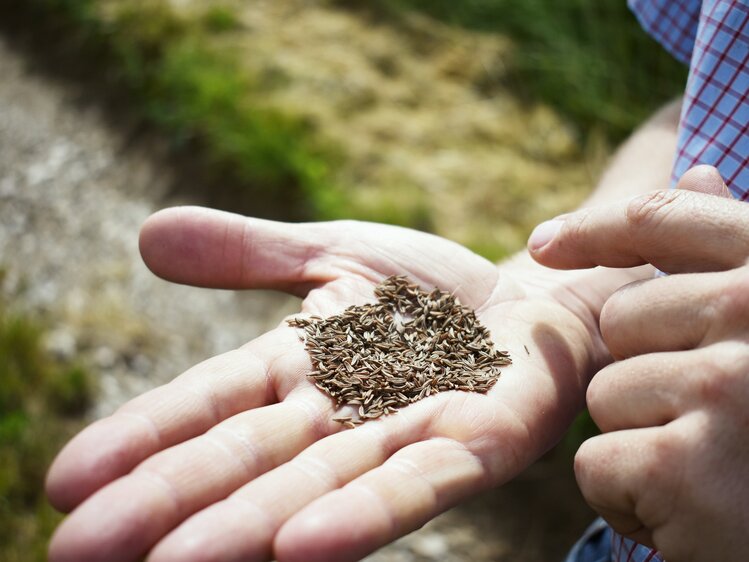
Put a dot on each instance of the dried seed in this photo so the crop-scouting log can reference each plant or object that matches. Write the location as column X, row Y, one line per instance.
column 407, row 346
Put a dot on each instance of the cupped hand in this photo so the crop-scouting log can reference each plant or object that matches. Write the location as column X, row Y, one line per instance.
column 239, row 459
column 671, row 469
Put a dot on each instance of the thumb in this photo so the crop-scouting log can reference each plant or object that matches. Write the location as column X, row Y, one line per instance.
column 704, row 179
column 209, row 248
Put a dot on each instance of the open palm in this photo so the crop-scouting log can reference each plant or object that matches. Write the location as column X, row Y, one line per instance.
column 239, row 459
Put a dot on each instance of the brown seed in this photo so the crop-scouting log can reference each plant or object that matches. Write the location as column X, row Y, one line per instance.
column 410, row 344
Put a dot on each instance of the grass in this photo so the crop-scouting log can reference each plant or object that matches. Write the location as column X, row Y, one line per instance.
column 195, row 90
column 182, row 71
column 219, row 19
column 42, row 403
column 185, row 81
column 588, row 59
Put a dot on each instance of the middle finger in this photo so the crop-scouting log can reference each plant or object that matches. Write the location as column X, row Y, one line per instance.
column 672, row 313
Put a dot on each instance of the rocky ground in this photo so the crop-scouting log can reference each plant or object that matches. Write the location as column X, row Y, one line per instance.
column 73, row 192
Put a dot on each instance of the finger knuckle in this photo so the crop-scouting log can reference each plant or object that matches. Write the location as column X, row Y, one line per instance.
column 721, row 378
column 584, row 464
column 617, row 314
column 576, row 227
column 599, row 393
column 731, row 307
column 590, row 464
column 661, row 474
column 593, row 396
column 665, row 453
column 649, row 210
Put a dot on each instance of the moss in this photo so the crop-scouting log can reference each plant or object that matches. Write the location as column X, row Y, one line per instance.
column 588, row 59
column 219, row 19
column 190, row 85
column 41, row 405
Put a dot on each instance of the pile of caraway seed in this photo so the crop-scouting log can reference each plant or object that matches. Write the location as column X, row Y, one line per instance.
column 407, row 346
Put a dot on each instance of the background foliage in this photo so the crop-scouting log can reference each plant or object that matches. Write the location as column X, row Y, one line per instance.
column 589, row 59
column 42, row 404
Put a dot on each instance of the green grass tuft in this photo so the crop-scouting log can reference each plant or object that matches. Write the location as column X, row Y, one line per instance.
column 589, row 59
column 41, row 405
column 219, row 19
column 189, row 84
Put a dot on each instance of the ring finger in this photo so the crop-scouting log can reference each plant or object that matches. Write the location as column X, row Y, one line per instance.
column 672, row 313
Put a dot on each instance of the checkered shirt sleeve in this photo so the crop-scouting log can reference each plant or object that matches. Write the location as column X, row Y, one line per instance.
column 673, row 23
column 712, row 37
column 627, row 550
column 714, row 126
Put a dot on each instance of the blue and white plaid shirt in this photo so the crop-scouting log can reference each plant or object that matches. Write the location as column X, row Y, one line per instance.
column 712, row 37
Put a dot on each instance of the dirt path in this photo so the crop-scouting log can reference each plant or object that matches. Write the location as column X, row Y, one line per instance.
column 73, row 193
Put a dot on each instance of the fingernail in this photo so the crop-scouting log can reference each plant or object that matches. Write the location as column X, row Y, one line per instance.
column 544, row 233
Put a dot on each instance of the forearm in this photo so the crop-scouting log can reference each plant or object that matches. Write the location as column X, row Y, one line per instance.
column 643, row 163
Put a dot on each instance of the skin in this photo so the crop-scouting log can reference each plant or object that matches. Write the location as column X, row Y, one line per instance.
column 670, row 469
column 238, row 459
column 249, row 425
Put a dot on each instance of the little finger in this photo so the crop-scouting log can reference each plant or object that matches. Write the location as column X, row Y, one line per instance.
column 630, row 478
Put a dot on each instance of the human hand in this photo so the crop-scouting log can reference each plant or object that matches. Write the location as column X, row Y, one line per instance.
column 670, row 469
column 238, row 459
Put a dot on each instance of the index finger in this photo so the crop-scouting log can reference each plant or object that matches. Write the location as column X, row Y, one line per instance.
column 675, row 230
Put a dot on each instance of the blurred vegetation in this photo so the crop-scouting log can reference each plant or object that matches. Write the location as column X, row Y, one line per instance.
column 186, row 81
column 589, row 59
column 582, row 429
column 42, row 403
